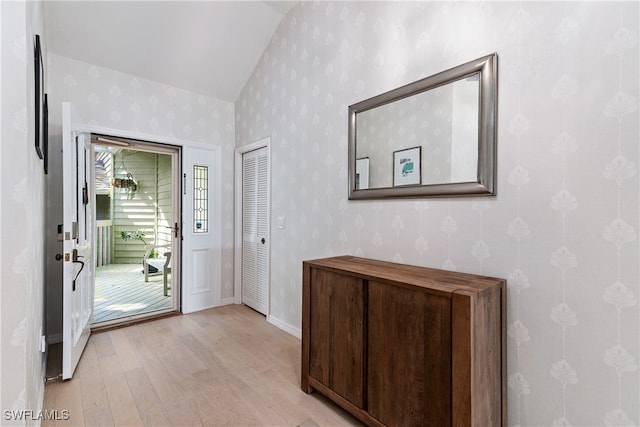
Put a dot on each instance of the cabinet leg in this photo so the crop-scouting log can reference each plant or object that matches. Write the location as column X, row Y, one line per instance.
column 304, row 385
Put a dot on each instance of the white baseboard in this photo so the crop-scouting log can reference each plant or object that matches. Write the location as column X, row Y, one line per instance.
column 198, row 308
column 296, row 332
column 228, row 301
column 54, row 338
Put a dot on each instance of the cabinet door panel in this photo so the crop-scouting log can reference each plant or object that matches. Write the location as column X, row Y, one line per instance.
column 320, row 290
column 409, row 357
column 337, row 329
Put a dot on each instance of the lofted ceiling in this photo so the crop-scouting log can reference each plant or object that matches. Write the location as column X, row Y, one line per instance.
column 208, row 47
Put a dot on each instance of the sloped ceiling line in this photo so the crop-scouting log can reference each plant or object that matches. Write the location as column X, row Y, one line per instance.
column 208, row 47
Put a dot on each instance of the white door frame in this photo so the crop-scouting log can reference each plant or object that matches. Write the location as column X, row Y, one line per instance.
column 175, row 151
column 263, row 143
column 185, row 145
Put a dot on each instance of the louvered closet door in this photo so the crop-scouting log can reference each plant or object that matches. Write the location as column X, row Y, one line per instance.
column 255, row 230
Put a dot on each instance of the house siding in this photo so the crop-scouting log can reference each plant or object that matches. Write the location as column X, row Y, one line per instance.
column 135, row 210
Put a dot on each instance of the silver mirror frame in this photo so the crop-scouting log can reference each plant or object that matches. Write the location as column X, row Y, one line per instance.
column 485, row 184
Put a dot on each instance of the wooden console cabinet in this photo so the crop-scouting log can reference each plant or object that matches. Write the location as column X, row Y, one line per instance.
column 400, row 345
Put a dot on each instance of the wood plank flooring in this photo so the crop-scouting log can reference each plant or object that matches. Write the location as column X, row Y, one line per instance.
column 220, row 367
column 122, row 292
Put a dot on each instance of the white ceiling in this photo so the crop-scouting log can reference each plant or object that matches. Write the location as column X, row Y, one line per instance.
column 208, row 47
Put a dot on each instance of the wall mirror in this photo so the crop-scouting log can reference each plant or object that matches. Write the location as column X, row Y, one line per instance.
column 435, row 137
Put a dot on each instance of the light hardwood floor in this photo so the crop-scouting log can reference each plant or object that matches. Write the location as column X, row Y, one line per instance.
column 220, row 367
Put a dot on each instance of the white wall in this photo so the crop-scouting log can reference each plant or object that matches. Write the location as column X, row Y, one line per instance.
column 563, row 228
column 115, row 100
column 22, row 213
column 464, row 131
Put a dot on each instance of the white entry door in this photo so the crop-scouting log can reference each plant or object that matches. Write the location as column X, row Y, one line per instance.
column 77, row 232
column 255, row 230
column 201, row 287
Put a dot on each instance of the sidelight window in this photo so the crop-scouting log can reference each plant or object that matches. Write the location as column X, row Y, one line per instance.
column 200, row 199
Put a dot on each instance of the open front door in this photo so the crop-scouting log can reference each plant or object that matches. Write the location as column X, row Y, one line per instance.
column 78, row 228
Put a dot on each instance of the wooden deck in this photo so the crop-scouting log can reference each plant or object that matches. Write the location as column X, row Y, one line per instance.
column 122, row 292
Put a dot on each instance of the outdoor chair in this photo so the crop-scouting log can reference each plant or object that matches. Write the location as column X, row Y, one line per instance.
column 153, row 266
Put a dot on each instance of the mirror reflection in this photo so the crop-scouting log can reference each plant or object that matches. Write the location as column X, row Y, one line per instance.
column 442, row 121
column 433, row 137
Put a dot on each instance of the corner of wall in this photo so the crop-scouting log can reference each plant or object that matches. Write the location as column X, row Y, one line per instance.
column 292, row 330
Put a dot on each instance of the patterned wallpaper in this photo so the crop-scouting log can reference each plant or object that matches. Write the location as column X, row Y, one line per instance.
column 21, row 218
column 563, row 228
column 115, row 100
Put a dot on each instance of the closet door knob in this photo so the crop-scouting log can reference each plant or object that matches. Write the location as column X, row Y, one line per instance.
column 263, row 240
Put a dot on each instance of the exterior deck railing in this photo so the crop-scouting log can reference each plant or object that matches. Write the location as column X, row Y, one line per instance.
column 104, row 237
